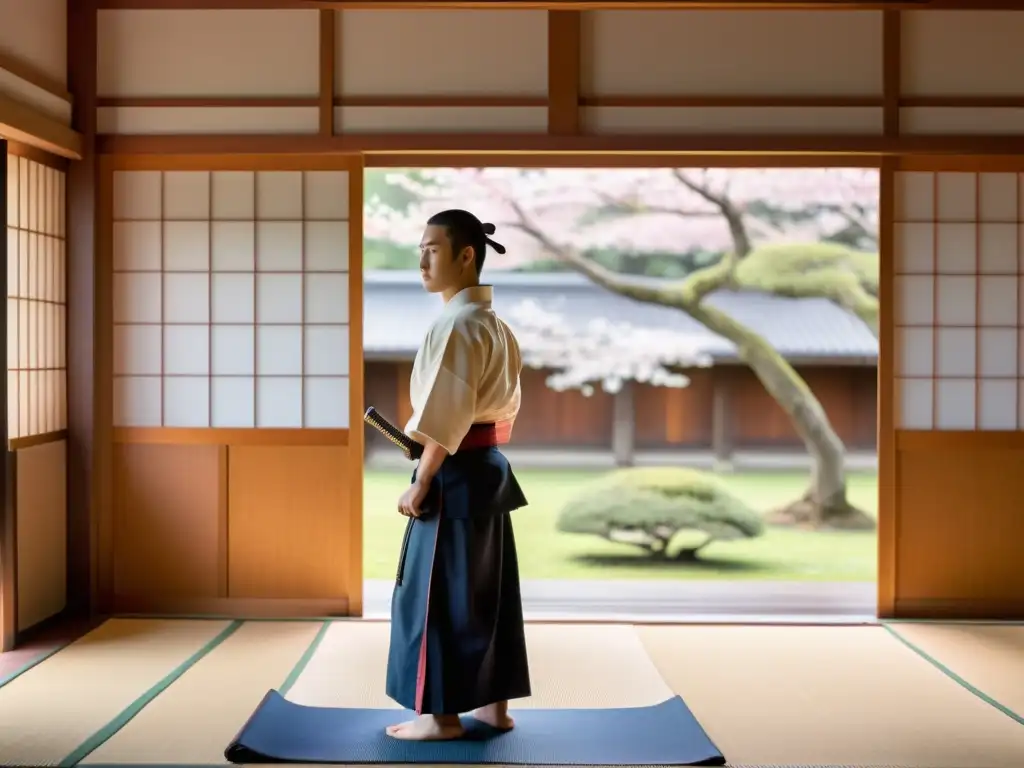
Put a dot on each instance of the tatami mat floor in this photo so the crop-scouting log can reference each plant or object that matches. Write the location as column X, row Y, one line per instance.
column 148, row 691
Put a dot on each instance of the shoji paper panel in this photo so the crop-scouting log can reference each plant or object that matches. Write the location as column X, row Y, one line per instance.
column 231, row 299
column 36, row 299
column 959, row 307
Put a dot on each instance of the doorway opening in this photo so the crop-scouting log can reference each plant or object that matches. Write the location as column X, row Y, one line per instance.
column 698, row 432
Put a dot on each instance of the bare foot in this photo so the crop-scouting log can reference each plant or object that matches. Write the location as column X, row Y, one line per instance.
column 496, row 716
column 427, row 728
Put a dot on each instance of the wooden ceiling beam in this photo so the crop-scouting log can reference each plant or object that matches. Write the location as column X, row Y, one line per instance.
column 510, row 143
column 22, row 123
column 570, row 5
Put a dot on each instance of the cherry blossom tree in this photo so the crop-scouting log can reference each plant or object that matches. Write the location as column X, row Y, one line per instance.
column 607, row 353
column 791, row 232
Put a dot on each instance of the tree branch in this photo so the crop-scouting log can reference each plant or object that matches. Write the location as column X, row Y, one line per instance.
column 733, row 215
column 850, row 295
column 634, row 207
column 814, row 270
column 665, row 293
column 863, row 224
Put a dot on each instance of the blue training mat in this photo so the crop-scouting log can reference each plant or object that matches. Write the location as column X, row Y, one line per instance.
column 281, row 731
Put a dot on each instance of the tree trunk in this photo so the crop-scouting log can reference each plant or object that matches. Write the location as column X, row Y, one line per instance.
column 824, row 505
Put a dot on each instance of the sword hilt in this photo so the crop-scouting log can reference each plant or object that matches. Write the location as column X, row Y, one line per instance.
column 406, row 445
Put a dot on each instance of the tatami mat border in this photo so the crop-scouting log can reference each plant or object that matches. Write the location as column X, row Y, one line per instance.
column 97, row 739
column 953, row 675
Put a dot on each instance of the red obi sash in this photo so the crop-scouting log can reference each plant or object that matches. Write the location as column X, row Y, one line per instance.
column 487, row 435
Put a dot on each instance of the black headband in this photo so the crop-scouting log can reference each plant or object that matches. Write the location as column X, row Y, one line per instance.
column 489, row 230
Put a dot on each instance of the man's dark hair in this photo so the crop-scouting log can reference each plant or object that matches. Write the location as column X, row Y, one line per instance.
column 466, row 230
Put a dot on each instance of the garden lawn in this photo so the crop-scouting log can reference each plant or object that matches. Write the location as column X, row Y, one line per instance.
column 544, row 553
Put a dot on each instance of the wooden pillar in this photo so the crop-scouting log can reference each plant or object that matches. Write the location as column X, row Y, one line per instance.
column 721, row 428
column 563, row 73
column 8, row 473
column 84, row 433
column 328, row 27
column 892, row 87
column 623, row 426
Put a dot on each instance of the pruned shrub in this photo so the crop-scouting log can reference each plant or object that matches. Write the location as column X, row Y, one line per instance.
column 648, row 507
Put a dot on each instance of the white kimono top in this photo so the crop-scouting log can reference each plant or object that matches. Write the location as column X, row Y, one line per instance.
column 466, row 372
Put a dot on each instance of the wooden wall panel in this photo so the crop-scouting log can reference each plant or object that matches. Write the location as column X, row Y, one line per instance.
column 962, row 53
column 571, row 418
column 170, row 121
column 471, row 53
column 167, row 530
column 208, row 53
column 732, row 52
column 42, row 532
column 288, row 518
column 383, row 389
column 35, row 34
column 676, row 418
column 439, row 119
column 149, row 60
column 33, row 56
column 867, row 414
column 493, row 80
column 403, row 376
column 960, row 529
column 848, row 396
column 965, row 121
column 725, row 73
column 961, row 73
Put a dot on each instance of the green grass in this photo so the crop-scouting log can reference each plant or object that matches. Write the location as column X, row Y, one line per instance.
column 544, row 553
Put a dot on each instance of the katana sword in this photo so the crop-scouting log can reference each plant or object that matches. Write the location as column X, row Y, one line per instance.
column 406, row 444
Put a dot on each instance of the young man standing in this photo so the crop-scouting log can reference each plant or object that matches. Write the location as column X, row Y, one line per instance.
column 457, row 638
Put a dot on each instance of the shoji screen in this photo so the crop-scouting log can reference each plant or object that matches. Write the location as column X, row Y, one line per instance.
column 231, row 299
column 959, row 309
column 36, row 383
column 36, row 300
column 959, row 464
column 235, row 356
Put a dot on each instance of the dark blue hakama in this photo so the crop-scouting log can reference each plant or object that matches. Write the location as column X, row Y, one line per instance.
column 457, row 635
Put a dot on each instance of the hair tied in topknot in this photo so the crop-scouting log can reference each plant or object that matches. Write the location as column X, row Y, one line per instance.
column 489, row 230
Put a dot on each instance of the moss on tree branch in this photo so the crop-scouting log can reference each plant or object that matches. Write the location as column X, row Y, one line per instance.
column 815, row 270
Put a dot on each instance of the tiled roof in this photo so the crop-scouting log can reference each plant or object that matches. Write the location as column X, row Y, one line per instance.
column 397, row 313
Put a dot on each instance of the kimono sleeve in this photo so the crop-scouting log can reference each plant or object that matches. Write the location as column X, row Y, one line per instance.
column 444, row 407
